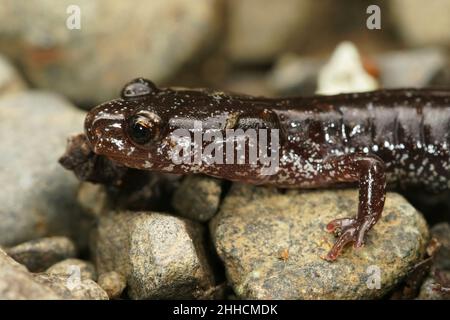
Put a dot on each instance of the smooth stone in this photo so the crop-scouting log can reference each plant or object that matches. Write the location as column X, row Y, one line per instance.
column 272, row 244
column 113, row 283
column 16, row 283
column 161, row 256
column 38, row 195
column 38, row 255
column 68, row 266
column 197, row 198
column 10, row 80
column 116, row 42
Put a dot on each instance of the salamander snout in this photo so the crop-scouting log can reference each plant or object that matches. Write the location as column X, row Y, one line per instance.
column 104, row 128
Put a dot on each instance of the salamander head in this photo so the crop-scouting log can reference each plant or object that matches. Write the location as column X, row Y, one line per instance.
column 128, row 130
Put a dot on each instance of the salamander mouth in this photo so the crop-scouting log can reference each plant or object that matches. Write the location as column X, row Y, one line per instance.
column 135, row 162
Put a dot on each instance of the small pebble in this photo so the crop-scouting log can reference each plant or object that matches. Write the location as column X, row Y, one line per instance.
column 197, row 198
column 113, row 283
column 38, row 255
column 69, row 266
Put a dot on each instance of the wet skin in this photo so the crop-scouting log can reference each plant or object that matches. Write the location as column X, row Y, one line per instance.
column 398, row 137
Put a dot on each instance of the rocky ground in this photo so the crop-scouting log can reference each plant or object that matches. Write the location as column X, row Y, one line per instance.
column 196, row 237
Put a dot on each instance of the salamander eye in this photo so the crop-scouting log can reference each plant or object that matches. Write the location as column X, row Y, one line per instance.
column 143, row 128
column 137, row 88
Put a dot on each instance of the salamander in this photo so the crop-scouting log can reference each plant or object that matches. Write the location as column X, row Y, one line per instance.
column 372, row 140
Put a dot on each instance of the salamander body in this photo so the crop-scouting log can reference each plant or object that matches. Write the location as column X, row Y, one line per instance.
column 395, row 137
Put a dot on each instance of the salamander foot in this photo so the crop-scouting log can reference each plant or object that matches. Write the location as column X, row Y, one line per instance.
column 348, row 230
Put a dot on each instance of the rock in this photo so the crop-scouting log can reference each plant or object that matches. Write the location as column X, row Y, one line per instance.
column 441, row 232
column 37, row 255
column 69, row 266
column 72, row 287
column 430, row 289
column 161, row 256
column 113, row 283
column 248, row 83
column 295, row 75
column 10, row 81
column 17, row 283
column 151, row 39
column 38, row 195
column 422, row 24
column 259, row 30
column 197, row 198
column 93, row 198
column 344, row 72
column 413, row 68
column 272, row 243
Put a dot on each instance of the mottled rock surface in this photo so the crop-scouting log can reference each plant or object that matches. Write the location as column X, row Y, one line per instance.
column 67, row 267
column 116, row 41
column 430, row 289
column 440, row 271
column 113, row 283
column 197, row 198
column 272, row 244
column 17, row 283
column 38, row 255
column 441, row 232
column 161, row 256
column 38, row 195
column 72, row 287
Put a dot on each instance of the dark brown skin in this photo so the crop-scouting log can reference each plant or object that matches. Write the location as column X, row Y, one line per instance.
column 388, row 136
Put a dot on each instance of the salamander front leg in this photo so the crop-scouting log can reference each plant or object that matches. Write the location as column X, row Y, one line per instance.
column 368, row 170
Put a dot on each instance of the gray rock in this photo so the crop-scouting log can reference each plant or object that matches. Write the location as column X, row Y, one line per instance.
column 161, row 256
column 17, row 283
column 38, row 195
column 113, row 283
column 440, row 268
column 430, row 289
column 71, row 287
column 37, row 255
column 197, row 198
column 441, row 232
column 10, row 80
column 294, row 74
column 93, row 198
column 259, row 30
column 69, row 266
column 272, row 244
column 149, row 38
column 422, row 23
column 413, row 68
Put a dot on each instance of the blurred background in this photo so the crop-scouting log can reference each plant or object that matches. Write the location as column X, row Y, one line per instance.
column 261, row 47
